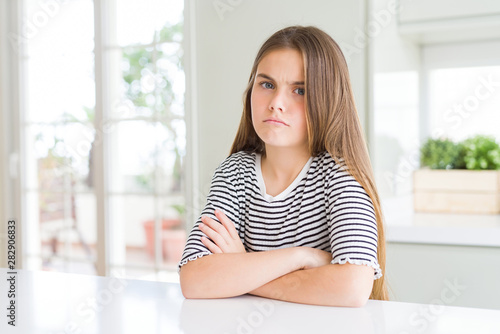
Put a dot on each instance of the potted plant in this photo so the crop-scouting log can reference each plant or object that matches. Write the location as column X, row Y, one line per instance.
column 174, row 239
column 459, row 177
column 173, row 235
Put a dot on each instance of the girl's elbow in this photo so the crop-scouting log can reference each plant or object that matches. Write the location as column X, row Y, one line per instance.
column 189, row 293
column 194, row 282
column 358, row 296
column 190, row 290
column 186, row 290
column 357, row 301
column 352, row 299
column 188, row 286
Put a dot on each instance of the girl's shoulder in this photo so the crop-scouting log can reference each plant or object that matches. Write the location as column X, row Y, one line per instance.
column 326, row 161
column 329, row 166
column 238, row 160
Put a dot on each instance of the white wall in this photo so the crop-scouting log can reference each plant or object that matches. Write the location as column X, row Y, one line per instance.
column 391, row 52
column 224, row 42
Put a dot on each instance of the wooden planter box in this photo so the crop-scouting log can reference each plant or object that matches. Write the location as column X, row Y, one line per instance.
column 456, row 191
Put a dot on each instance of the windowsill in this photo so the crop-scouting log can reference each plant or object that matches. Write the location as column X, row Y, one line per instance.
column 403, row 225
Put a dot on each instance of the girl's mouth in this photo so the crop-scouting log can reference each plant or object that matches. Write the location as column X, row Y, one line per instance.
column 275, row 121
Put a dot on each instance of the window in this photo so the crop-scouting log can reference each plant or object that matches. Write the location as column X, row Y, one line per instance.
column 462, row 89
column 445, row 90
column 103, row 126
column 464, row 101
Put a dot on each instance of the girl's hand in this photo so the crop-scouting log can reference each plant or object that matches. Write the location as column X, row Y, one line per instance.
column 224, row 235
column 313, row 258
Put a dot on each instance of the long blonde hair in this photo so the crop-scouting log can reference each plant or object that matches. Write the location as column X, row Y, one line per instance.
column 332, row 119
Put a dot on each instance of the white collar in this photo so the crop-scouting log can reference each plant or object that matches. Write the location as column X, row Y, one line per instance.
column 284, row 193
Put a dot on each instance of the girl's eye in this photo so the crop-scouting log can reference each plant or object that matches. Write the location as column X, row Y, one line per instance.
column 267, row 85
column 300, row 91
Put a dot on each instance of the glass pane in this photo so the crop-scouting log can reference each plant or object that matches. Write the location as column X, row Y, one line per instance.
column 59, row 186
column 152, row 82
column 170, row 155
column 171, row 80
column 133, row 239
column 139, row 83
column 59, row 157
column 173, row 235
column 134, row 233
column 60, row 64
column 84, row 229
column 67, row 231
column 463, row 102
column 132, row 157
column 139, row 22
column 144, row 157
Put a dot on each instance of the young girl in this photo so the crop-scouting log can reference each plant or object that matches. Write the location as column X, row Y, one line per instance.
column 293, row 213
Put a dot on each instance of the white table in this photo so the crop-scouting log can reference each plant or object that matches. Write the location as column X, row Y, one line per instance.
column 56, row 303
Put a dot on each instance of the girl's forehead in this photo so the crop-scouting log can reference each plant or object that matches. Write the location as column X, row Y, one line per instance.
column 286, row 63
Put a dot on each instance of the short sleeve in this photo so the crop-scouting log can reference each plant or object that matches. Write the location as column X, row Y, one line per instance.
column 222, row 196
column 352, row 224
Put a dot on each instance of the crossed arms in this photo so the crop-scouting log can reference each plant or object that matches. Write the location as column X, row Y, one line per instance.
column 297, row 274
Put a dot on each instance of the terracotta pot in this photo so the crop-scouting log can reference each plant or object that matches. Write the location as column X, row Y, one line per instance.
column 173, row 242
column 149, row 230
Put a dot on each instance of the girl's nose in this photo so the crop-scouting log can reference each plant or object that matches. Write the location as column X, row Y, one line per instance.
column 277, row 102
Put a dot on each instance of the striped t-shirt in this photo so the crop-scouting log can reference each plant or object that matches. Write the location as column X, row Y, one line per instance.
column 324, row 208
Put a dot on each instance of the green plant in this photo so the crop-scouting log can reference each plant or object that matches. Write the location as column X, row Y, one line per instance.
column 180, row 208
column 442, row 154
column 482, row 152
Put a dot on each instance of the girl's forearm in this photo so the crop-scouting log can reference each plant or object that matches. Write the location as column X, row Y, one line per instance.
column 330, row 285
column 233, row 274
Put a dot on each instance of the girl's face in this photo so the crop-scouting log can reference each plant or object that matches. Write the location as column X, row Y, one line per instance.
column 277, row 101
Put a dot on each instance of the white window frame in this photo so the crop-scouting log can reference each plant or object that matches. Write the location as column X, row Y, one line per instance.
column 10, row 206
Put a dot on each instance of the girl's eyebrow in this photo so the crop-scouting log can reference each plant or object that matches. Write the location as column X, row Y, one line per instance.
column 267, row 77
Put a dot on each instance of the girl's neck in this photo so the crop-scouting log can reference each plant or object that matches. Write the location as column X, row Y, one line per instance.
column 283, row 164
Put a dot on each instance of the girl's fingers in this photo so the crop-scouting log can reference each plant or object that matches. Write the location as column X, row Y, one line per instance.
column 216, row 226
column 223, row 235
column 227, row 223
column 210, row 245
column 212, row 234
